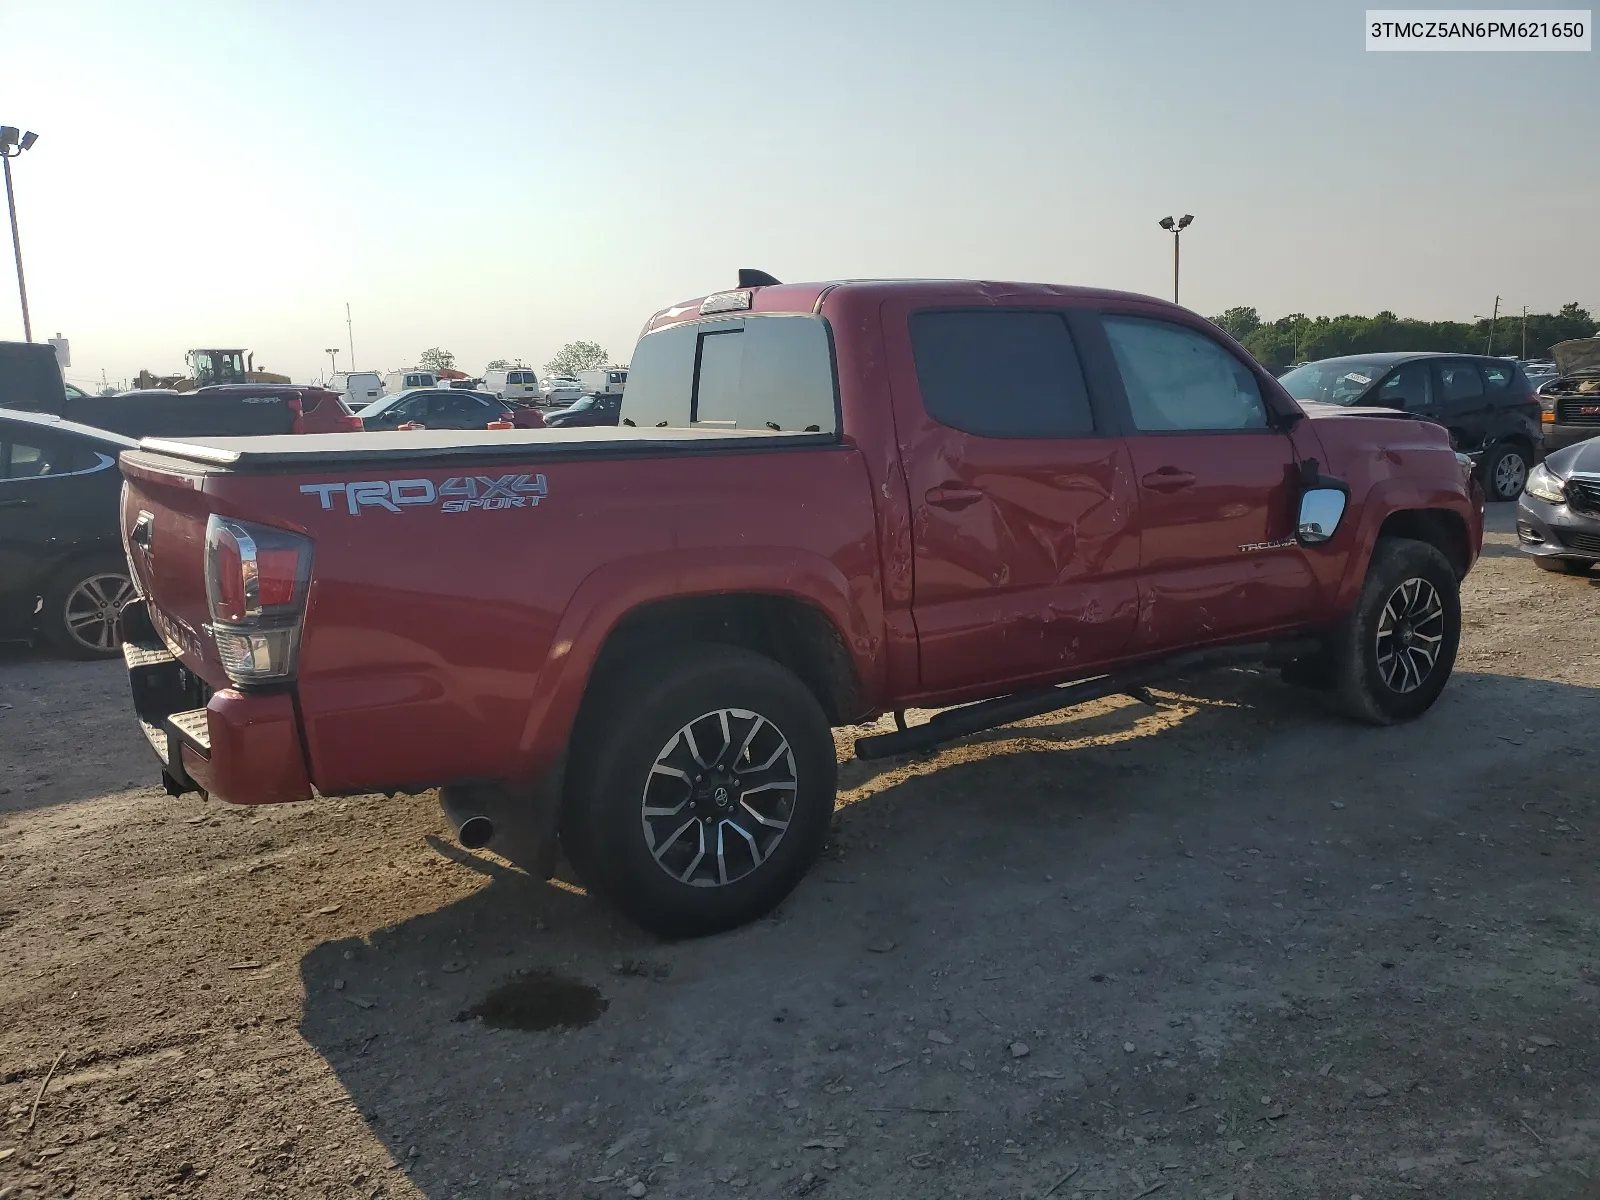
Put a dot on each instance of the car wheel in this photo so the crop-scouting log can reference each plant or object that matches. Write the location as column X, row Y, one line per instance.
column 1505, row 471
column 82, row 613
column 1565, row 566
column 702, row 789
column 1394, row 652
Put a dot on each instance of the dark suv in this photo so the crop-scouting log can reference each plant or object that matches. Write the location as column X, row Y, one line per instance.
column 1487, row 404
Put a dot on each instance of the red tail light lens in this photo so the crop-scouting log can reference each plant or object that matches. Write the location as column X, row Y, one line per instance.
column 299, row 412
column 257, row 578
column 349, row 423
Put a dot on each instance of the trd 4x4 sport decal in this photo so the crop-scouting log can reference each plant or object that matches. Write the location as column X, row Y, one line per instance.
column 460, row 493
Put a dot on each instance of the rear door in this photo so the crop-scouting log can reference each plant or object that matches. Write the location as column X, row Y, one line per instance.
column 1462, row 402
column 58, row 498
column 1216, row 486
column 1023, row 521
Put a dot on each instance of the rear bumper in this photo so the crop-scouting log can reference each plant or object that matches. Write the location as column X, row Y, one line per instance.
column 242, row 747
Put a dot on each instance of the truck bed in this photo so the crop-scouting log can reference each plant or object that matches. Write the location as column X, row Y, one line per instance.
column 446, row 446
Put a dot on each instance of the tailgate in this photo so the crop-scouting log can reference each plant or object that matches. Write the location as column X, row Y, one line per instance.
column 163, row 521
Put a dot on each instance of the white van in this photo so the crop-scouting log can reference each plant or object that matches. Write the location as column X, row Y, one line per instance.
column 518, row 383
column 404, row 381
column 360, row 388
column 608, row 381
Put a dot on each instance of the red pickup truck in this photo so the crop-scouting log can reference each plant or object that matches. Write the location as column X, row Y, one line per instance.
column 825, row 502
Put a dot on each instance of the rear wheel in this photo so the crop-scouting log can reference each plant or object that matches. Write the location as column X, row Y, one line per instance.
column 1505, row 471
column 1565, row 566
column 82, row 613
column 704, row 784
column 1393, row 654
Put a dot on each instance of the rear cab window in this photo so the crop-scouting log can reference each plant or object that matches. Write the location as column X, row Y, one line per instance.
column 1001, row 373
column 758, row 372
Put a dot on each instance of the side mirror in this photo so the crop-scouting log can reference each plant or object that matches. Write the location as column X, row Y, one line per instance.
column 1321, row 509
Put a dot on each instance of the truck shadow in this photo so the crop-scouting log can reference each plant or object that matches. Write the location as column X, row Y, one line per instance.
column 525, row 1041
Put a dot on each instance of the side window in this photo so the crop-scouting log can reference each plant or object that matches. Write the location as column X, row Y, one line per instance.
column 414, row 409
column 1002, row 374
column 1405, row 388
column 1460, row 381
column 39, row 457
column 1497, row 377
column 456, row 407
column 1177, row 379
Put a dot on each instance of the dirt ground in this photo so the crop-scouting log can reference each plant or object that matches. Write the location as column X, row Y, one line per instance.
column 1230, row 947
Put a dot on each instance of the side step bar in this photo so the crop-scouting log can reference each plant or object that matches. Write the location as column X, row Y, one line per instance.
column 956, row 723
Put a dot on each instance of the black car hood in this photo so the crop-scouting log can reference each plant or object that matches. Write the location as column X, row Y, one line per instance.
column 1580, row 354
column 1583, row 457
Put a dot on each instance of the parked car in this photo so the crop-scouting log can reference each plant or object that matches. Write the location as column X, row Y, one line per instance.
column 403, row 381
column 63, row 576
column 1558, row 517
column 1570, row 403
column 357, row 388
column 518, row 383
column 837, row 500
column 560, row 389
column 446, row 408
column 30, row 381
column 1486, row 403
column 589, row 410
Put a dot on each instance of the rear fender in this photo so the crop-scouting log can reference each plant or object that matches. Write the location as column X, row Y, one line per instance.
column 612, row 591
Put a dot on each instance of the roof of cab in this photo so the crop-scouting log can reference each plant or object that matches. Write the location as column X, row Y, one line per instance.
column 809, row 297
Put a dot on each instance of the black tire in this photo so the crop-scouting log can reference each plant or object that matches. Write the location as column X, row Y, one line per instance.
column 1565, row 566
column 75, row 620
column 1381, row 690
column 629, row 749
column 1505, row 470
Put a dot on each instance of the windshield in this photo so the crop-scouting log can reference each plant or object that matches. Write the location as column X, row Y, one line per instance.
column 584, row 402
column 384, row 403
column 1341, row 381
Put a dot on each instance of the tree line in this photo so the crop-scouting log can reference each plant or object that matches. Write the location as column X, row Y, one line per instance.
column 1299, row 338
column 569, row 360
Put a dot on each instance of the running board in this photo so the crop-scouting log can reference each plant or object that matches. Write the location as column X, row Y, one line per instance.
column 955, row 723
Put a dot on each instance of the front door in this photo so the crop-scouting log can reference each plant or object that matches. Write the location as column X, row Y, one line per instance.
column 1217, row 487
column 1023, row 519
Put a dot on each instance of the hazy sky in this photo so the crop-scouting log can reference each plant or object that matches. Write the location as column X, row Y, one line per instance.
column 499, row 178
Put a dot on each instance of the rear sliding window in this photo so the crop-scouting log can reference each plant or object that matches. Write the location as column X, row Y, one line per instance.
column 1001, row 373
column 734, row 373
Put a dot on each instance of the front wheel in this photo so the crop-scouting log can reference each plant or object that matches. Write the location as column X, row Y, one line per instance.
column 1393, row 654
column 1505, row 471
column 704, row 785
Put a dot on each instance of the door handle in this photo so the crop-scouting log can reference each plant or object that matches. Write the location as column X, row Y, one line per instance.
column 1167, row 479
column 15, row 503
column 953, row 497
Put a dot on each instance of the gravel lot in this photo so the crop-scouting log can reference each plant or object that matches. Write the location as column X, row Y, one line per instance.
column 1230, row 947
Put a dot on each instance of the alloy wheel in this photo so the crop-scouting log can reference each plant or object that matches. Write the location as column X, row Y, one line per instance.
column 1510, row 474
column 719, row 797
column 93, row 611
column 1410, row 635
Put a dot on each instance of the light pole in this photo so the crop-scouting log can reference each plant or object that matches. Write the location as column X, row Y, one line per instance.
column 1176, row 228
column 12, row 143
column 1492, row 318
column 333, row 360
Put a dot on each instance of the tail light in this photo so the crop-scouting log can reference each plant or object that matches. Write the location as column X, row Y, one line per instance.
column 256, row 583
column 349, row 423
column 299, row 412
